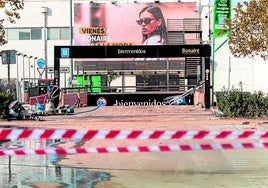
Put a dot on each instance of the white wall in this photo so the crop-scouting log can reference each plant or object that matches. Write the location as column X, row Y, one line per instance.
column 251, row 72
column 129, row 80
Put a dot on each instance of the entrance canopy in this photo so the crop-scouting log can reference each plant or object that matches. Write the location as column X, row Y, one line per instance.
column 155, row 51
column 132, row 51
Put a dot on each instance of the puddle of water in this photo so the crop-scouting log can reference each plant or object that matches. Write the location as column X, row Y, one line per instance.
column 39, row 170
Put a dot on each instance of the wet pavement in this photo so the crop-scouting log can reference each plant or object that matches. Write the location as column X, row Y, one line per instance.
column 42, row 170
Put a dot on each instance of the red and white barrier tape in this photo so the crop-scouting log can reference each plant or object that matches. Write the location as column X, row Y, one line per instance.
column 128, row 134
column 142, row 149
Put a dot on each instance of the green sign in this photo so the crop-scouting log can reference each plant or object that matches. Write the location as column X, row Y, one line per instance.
column 221, row 12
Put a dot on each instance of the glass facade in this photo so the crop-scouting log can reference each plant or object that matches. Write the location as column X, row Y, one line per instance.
column 58, row 33
column 36, row 33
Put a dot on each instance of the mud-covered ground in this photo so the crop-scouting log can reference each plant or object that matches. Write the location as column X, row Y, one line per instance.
column 233, row 168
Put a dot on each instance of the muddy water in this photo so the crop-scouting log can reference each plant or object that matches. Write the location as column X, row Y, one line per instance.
column 169, row 179
column 200, row 169
column 41, row 170
column 197, row 169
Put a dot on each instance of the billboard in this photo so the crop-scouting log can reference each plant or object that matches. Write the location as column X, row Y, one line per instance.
column 123, row 24
column 221, row 11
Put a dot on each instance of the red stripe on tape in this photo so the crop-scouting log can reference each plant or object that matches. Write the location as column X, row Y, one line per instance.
column 60, row 151
column 227, row 146
column 134, row 134
column 102, row 150
column 185, row 147
column 143, row 149
column 201, row 134
column 164, row 148
column 47, row 133
column 90, row 134
column 19, row 152
column 248, row 145
column 246, row 134
column 178, row 134
column 156, row 134
column 206, row 146
column 123, row 149
column 112, row 134
column 4, row 133
column 25, row 133
column 68, row 134
column 223, row 134
column 81, row 150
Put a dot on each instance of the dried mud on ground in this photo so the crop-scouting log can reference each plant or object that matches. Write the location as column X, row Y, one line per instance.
column 167, row 169
column 138, row 117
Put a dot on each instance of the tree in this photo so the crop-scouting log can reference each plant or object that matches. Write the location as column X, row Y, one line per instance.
column 10, row 8
column 249, row 29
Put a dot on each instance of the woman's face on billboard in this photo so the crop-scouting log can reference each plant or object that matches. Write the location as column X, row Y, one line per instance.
column 148, row 23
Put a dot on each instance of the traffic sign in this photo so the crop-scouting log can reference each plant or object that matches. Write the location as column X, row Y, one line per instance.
column 8, row 56
column 50, row 69
column 41, row 71
column 62, row 69
column 41, row 63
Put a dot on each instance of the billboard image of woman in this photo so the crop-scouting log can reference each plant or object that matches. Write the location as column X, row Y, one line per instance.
column 116, row 24
column 153, row 26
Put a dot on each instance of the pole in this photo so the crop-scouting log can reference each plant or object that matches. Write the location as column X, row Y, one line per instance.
column 17, row 80
column 229, row 75
column 213, row 51
column 45, row 10
column 56, row 79
column 71, row 41
column 23, row 78
column 34, row 70
column 207, row 83
column 29, row 70
column 8, row 72
column 213, row 68
column 23, row 73
column 29, row 74
column 64, row 80
column 167, row 74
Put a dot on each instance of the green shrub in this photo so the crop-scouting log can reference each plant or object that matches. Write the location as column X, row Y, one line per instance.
column 237, row 103
column 5, row 99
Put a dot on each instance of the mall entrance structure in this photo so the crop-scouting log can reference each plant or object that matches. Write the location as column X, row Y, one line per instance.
column 142, row 54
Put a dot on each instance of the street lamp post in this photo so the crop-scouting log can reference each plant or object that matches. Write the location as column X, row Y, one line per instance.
column 34, row 68
column 29, row 73
column 71, row 41
column 23, row 72
column 17, row 80
column 45, row 12
column 23, row 77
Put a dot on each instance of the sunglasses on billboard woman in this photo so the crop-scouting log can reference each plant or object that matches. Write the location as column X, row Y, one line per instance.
column 145, row 20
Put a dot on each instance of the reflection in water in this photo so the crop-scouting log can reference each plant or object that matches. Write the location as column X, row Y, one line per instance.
column 39, row 170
